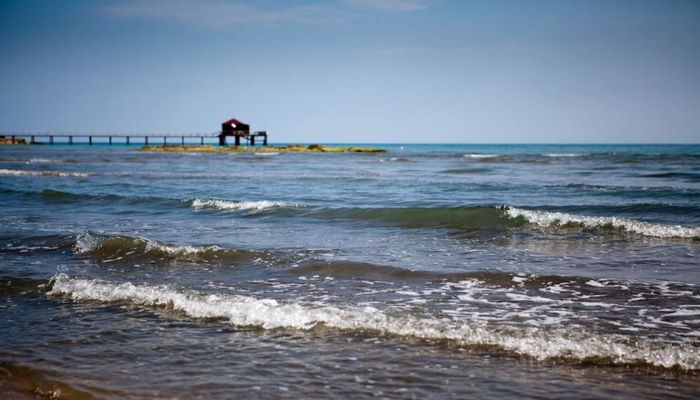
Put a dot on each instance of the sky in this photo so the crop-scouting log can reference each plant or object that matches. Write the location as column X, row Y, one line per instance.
column 362, row 71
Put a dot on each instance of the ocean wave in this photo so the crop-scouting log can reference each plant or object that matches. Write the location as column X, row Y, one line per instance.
column 227, row 205
column 480, row 155
column 60, row 196
column 267, row 313
column 465, row 219
column 548, row 219
column 113, row 248
column 466, row 170
column 475, row 219
column 564, row 154
column 23, row 172
column 345, row 269
column 687, row 176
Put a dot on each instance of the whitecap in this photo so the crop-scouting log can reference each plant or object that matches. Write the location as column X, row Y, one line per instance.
column 87, row 242
column 22, row 172
column 266, row 313
column 480, row 155
column 227, row 205
column 547, row 218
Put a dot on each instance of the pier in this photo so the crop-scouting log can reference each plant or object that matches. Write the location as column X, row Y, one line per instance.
column 108, row 138
column 233, row 127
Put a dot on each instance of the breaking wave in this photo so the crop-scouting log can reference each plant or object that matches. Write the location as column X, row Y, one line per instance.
column 227, row 205
column 108, row 248
column 489, row 218
column 557, row 155
column 23, row 172
column 480, row 155
column 548, row 219
column 267, row 313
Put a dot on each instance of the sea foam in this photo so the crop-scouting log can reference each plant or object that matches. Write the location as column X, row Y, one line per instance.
column 479, row 155
column 227, row 205
column 23, row 172
column 271, row 314
column 548, row 218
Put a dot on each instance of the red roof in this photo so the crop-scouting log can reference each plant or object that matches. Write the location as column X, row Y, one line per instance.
column 233, row 121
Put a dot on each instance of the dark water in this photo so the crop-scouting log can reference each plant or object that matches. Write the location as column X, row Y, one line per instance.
column 447, row 271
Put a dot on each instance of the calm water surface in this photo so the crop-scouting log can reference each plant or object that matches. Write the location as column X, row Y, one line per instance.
column 429, row 271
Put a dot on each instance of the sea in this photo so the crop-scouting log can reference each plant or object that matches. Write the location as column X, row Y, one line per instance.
column 427, row 271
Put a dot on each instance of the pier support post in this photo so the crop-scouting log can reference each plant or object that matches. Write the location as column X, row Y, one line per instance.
column 127, row 140
column 70, row 139
column 265, row 140
column 252, row 140
column 146, row 140
column 238, row 140
column 182, row 141
column 50, row 139
column 90, row 140
column 110, row 140
column 13, row 139
column 201, row 141
column 32, row 141
column 165, row 140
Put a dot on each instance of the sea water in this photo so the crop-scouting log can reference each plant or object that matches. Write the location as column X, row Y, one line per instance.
column 450, row 271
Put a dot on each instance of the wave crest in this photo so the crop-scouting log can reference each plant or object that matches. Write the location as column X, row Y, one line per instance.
column 24, row 172
column 108, row 248
column 548, row 219
column 250, row 206
column 267, row 313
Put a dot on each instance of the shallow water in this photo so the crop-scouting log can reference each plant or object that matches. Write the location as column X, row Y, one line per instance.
column 426, row 271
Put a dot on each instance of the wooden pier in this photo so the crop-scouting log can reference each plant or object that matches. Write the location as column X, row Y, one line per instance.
column 233, row 127
column 146, row 139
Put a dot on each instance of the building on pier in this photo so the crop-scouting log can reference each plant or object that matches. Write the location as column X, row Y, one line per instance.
column 238, row 130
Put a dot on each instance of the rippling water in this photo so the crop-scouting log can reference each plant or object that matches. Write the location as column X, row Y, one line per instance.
column 427, row 271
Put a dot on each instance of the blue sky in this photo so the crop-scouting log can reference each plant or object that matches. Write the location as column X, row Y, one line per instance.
column 460, row 71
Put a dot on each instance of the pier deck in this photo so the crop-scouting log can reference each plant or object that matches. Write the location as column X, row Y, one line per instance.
column 112, row 138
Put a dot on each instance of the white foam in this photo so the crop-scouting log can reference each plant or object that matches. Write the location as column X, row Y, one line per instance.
column 479, row 155
column 547, row 218
column 44, row 160
column 23, row 172
column 564, row 154
column 271, row 314
column 86, row 242
column 226, row 205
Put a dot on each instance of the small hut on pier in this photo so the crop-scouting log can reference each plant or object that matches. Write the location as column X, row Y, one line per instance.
column 238, row 130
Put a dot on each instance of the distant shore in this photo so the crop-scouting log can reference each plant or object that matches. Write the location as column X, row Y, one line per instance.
column 294, row 148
